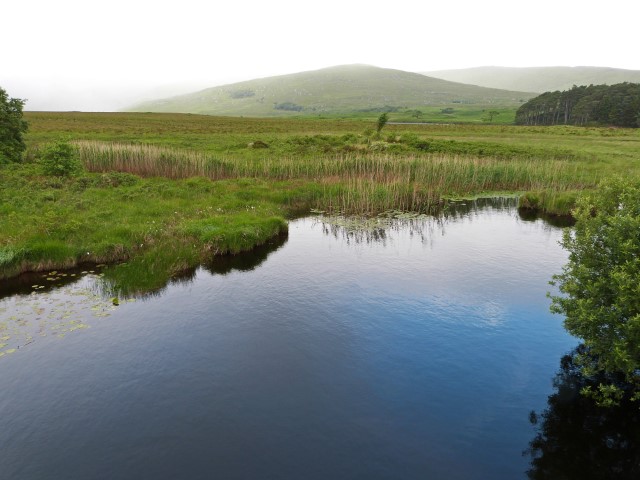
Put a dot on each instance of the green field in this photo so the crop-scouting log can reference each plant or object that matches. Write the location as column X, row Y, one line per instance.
column 164, row 192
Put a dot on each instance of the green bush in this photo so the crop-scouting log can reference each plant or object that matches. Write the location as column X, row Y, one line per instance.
column 61, row 159
column 599, row 285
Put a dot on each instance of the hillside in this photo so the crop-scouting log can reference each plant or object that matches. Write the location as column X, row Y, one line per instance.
column 537, row 79
column 342, row 89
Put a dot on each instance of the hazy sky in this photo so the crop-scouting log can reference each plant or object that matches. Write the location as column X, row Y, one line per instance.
column 90, row 55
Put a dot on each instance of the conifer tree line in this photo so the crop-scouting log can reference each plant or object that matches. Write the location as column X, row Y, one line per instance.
column 615, row 105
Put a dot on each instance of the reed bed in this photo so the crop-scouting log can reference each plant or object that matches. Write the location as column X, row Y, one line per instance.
column 355, row 182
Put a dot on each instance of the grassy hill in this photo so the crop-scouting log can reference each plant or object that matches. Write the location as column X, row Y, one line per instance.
column 336, row 90
column 537, row 79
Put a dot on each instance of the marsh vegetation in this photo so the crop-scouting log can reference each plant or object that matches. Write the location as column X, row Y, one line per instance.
column 166, row 192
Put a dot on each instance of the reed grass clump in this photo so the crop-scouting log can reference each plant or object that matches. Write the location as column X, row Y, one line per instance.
column 548, row 201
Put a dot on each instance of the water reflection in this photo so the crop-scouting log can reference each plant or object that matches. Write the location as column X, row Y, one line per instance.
column 247, row 261
column 328, row 360
column 378, row 229
column 464, row 208
column 43, row 282
column 354, row 229
column 123, row 280
column 57, row 303
column 561, row 221
column 137, row 281
column 577, row 439
column 52, row 312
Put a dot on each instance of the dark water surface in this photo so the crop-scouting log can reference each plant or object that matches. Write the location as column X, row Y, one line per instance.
column 413, row 352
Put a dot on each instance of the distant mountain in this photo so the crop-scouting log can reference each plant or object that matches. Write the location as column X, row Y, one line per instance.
column 341, row 89
column 537, row 79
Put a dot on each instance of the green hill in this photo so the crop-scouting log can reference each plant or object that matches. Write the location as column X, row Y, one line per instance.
column 538, row 79
column 335, row 90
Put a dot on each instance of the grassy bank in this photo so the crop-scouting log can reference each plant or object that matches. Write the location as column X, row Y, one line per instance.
column 164, row 193
column 165, row 225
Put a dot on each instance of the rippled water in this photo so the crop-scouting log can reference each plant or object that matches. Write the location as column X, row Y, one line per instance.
column 414, row 350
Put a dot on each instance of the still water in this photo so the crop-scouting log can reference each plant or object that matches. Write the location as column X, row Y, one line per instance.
column 411, row 351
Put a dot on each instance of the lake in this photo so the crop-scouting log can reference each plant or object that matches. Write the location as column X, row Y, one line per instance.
column 412, row 348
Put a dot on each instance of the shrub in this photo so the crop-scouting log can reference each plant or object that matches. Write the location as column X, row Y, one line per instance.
column 600, row 285
column 61, row 159
column 382, row 121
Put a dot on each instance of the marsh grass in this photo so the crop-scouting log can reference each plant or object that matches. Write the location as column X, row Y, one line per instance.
column 556, row 202
column 195, row 188
column 114, row 217
column 354, row 182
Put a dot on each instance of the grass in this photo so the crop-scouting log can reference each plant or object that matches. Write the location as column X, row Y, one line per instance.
column 164, row 193
column 166, row 225
column 366, row 180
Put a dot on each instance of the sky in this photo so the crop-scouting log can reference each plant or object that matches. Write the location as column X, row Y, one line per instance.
column 93, row 55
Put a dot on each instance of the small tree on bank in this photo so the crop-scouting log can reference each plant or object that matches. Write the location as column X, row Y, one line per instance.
column 601, row 286
column 12, row 127
column 382, row 121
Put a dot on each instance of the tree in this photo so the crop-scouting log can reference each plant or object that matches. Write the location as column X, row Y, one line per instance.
column 490, row 115
column 12, row 126
column 382, row 121
column 616, row 105
column 576, row 438
column 601, row 286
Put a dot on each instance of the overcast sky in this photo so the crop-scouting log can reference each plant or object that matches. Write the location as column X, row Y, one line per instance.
column 99, row 56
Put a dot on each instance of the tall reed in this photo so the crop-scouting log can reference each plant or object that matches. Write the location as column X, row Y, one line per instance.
column 356, row 181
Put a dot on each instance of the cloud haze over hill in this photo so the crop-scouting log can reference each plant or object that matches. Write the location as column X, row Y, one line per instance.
column 538, row 79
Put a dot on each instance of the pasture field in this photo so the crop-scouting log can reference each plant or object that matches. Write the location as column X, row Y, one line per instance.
column 162, row 193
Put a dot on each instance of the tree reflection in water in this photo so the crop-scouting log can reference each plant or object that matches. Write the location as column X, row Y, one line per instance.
column 576, row 439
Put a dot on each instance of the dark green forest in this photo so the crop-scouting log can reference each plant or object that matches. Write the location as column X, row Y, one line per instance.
column 615, row 105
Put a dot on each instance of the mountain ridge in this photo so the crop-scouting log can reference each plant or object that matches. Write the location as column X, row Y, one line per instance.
column 537, row 79
column 337, row 89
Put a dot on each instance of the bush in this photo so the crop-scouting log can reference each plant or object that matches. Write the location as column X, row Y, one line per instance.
column 601, row 296
column 61, row 159
column 382, row 121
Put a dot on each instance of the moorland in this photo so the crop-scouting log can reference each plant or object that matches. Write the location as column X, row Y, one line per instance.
column 160, row 193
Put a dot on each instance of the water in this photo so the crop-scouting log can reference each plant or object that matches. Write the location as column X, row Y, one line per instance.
column 417, row 351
